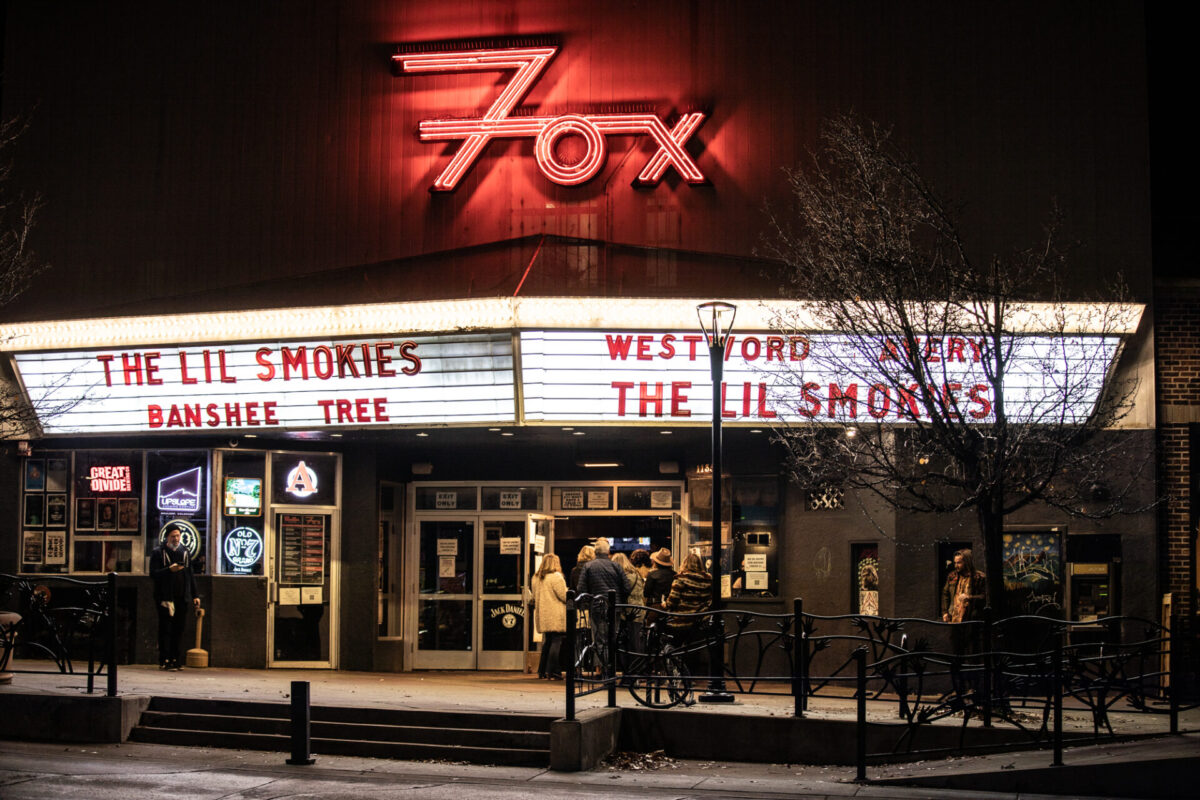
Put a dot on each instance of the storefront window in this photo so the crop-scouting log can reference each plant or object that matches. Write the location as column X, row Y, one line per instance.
column 177, row 498
column 243, row 518
column 89, row 524
column 446, row 498
column 581, row 498
column 749, row 531
column 646, row 498
column 515, row 498
column 864, row 562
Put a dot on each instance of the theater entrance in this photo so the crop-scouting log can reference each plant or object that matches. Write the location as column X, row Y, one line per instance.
column 471, row 551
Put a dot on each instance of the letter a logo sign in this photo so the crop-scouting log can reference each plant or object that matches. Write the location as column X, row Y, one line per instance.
column 301, row 481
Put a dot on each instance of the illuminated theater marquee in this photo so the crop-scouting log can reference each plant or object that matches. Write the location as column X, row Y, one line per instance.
column 496, row 122
column 287, row 385
column 624, row 377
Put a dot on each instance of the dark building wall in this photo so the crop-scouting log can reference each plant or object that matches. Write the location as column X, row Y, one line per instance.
column 182, row 148
column 359, row 559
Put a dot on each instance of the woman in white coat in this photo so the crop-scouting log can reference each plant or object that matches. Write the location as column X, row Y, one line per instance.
column 549, row 590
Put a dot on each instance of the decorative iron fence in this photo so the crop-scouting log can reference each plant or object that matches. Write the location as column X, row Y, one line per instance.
column 1016, row 672
column 47, row 619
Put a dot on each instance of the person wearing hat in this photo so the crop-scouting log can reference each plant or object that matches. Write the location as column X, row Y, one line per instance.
column 658, row 582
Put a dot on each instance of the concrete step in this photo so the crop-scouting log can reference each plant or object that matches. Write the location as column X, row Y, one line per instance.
column 475, row 737
column 510, row 739
column 376, row 716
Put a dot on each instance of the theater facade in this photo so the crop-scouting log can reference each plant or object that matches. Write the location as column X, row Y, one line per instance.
column 378, row 302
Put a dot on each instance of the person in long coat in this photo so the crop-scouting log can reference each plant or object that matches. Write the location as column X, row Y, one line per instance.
column 549, row 590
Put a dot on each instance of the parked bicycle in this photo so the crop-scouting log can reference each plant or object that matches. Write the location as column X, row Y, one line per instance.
column 656, row 673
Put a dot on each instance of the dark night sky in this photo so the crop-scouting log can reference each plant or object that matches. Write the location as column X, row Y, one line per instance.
column 1173, row 159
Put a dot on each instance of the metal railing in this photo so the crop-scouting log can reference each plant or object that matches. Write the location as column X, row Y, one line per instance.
column 57, row 616
column 1016, row 672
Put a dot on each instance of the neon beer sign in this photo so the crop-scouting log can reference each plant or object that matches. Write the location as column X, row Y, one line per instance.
column 496, row 122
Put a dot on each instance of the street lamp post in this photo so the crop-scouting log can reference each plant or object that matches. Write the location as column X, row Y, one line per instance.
column 716, row 321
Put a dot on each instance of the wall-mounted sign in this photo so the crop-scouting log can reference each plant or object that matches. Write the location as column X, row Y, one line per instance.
column 116, row 478
column 243, row 497
column 301, row 481
column 510, row 498
column 243, row 548
column 254, row 385
column 755, row 562
column 189, row 536
column 56, row 547
column 446, row 500
column 180, row 493
column 496, row 123
column 662, row 498
column 591, row 376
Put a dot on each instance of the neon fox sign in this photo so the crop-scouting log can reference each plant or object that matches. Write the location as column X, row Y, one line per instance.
column 529, row 63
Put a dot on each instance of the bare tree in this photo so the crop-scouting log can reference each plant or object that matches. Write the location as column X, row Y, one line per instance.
column 19, row 265
column 942, row 384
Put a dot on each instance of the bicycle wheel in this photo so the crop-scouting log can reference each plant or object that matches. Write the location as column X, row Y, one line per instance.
column 661, row 680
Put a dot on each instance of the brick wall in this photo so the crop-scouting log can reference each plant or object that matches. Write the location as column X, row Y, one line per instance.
column 1177, row 356
column 1177, row 352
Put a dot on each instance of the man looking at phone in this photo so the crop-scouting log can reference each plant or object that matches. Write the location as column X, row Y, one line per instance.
column 174, row 590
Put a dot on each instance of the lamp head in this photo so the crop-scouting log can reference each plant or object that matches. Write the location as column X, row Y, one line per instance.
column 716, row 320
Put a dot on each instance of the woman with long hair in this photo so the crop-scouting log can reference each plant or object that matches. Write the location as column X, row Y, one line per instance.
column 549, row 590
column 631, row 631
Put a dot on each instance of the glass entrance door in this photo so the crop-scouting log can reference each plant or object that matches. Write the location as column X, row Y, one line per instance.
column 301, row 625
column 446, row 594
column 502, row 615
column 471, row 608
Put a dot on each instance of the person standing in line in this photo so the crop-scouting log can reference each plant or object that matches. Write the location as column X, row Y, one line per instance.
column 640, row 559
column 550, row 614
column 691, row 593
column 660, row 578
column 597, row 578
column 586, row 554
column 631, row 628
column 174, row 591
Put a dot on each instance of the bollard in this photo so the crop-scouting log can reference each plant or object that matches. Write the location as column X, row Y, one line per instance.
column 301, row 725
column 860, row 737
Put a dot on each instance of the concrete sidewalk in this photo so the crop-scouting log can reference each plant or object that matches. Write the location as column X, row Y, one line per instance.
column 1014, row 773
column 482, row 691
column 97, row 772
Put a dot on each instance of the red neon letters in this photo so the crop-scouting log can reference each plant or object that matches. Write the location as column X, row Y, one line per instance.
column 546, row 131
